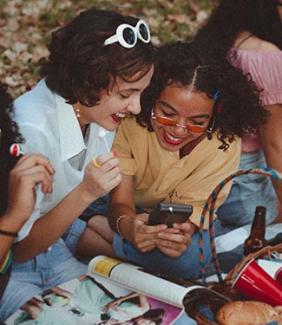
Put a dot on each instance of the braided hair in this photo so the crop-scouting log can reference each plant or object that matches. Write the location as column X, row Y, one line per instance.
column 237, row 107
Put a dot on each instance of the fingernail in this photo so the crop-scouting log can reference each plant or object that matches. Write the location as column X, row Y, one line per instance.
column 114, row 153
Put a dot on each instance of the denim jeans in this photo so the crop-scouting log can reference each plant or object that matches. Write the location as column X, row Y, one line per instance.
column 187, row 266
column 45, row 271
column 247, row 192
column 98, row 207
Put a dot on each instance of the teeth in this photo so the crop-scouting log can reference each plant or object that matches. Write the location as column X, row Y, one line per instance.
column 173, row 138
column 120, row 115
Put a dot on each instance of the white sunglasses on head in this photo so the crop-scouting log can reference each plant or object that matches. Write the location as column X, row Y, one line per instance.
column 127, row 35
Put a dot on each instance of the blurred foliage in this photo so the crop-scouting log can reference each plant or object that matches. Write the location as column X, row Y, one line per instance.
column 26, row 26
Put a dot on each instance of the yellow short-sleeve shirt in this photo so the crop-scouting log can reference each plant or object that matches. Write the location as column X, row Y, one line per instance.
column 161, row 175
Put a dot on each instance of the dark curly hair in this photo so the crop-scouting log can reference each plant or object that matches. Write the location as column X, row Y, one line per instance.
column 238, row 108
column 80, row 66
column 155, row 315
column 8, row 135
column 230, row 17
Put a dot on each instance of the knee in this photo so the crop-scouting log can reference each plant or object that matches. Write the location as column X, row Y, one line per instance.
column 99, row 225
column 96, row 222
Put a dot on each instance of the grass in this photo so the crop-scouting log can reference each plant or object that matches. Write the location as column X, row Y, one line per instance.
column 26, row 26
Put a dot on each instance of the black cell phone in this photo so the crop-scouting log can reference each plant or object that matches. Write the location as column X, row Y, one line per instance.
column 168, row 214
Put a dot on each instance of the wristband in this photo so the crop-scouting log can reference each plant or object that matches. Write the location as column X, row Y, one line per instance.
column 5, row 265
column 118, row 224
column 8, row 233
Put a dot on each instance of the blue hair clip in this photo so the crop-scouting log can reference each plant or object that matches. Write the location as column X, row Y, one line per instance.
column 216, row 95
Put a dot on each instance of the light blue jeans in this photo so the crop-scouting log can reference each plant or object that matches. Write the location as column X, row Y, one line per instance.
column 247, row 192
column 47, row 270
column 184, row 319
column 186, row 266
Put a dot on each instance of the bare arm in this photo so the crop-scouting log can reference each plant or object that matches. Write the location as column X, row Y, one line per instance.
column 171, row 241
column 132, row 227
column 271, row 136
column 50, row 227
column 122, row 203
column 143, row 302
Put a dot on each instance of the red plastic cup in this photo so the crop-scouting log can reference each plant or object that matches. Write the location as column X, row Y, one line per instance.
column 278, row 275
column 254, row 283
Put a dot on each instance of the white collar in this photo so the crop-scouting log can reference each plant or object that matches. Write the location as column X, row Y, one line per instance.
column 71, row 138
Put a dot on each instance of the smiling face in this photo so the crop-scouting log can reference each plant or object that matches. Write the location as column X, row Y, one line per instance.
column 121, row 99
column 185, row 107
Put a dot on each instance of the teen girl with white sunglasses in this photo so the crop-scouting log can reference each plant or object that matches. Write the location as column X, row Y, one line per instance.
column 98, row 66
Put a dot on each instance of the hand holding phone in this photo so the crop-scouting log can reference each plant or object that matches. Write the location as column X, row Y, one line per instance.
column 168, row 213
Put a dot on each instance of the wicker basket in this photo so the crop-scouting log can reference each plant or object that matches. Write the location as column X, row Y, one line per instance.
column 225, row 285
column 209, row 212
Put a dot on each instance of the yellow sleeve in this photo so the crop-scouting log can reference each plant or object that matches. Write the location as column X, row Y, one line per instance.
column 122, row 148
column 196, row 188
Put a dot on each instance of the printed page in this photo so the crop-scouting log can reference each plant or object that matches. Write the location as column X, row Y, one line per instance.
column 93, row 301
column 135, row 278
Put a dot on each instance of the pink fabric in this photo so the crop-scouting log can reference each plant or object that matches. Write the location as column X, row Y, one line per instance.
column 265, row 67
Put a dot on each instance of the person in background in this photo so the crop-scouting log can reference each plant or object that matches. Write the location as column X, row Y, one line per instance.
column 18, row 181
column 183, row 143
column 249, row 34
column 99, row 64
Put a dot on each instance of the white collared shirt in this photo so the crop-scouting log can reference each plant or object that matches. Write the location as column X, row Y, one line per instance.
column 50, row 127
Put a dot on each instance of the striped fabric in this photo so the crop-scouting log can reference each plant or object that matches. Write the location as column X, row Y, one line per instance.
column 7, row 261
column 5, row 271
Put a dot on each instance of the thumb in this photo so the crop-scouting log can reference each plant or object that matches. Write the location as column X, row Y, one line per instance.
column 143, row 217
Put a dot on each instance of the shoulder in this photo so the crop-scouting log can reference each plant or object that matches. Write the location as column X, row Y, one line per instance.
column 133, row 129
column 37, row 106
column 208, row 151
column 251, row 42
column 264, row 65
column 219, row 157
column 134, row 139
column 221, row 161
column 266, row 46
column 35, row 101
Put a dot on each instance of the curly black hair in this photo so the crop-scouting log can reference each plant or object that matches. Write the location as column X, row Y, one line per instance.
column 80, row 65
column 155, row 315
column 238, row 108
column 8, row 135
column 230, row 17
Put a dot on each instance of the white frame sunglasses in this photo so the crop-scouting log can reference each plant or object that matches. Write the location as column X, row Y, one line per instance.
column 137, row 33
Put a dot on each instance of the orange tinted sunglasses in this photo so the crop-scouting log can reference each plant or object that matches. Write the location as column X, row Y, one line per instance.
column 167, row 121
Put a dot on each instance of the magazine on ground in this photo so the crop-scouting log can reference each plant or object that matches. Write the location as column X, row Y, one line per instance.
column 115, row 292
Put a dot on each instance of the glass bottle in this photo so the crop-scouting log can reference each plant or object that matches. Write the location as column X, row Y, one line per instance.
column 256, row 239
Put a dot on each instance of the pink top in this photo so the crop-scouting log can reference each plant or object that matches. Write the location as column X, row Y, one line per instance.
column 265, row 67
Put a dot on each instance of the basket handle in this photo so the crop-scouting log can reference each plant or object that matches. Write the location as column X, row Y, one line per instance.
column 209, row 209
